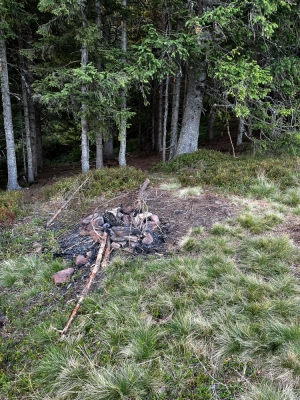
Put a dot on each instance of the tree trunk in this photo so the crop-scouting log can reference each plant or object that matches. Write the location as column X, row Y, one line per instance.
column 99, row 150
column 159, row 119
column 12, row 182
column 175, row 113
column 85, row 166
column 32, row 122
column 165, row 118
column 30, row 167
column 241, row 131
column 39, row 142
column 108, row 147
column 211, row 123
column 189, row 134
column 123, row 122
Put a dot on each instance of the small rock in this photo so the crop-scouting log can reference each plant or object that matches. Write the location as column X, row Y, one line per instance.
column 155, row 219
column 63, row 276
column 88, row 219
column 89, row 254
column 150, row 226
column 148, row 239
column 98, row 222
column 80, row 260
column 127, row 210
column 115, row 245
column 126, row 219
column 125, row 230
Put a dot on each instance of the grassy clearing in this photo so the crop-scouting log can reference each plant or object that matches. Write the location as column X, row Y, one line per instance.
column 218, row 320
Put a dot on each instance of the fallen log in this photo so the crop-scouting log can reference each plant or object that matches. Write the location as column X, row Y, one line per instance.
column 105, row 240
column 66, row 203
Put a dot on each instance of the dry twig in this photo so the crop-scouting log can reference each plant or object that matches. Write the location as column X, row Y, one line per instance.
column 66, row 203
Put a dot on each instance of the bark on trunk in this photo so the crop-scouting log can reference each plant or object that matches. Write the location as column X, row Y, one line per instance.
column 123, row 122
column 108, row 147
column 189, row 134
column 30, row 167
column 32, row 122
column 39, row 142
column 12, row 182
column 175, row 114
column 99, row 136
column 85, row 166
column 159, row 119
column 241, row 131
column 165, row 118
column 99, row 150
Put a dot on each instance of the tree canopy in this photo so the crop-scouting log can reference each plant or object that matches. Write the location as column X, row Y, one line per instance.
column 150, row 72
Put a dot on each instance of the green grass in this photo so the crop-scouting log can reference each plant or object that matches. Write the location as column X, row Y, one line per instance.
column 108, row 181
column 219, row 319
column 259, row 177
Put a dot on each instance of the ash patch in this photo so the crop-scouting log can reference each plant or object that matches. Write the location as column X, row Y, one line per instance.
column 157, row 246
column 73, row 244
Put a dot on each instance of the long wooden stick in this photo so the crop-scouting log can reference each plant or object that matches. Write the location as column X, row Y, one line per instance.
column 65, row 203
column 89, row 282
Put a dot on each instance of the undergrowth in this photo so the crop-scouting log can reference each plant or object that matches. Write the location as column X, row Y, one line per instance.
column 11, row 206
column 108, row 181
column 243, row 175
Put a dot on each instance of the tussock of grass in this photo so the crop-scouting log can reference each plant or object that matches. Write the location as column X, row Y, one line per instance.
column 266, row 391
column 264, row 187
column 188, row 192
column 259, row 223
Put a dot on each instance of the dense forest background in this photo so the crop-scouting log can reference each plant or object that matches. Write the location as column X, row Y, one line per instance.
column 95, row 79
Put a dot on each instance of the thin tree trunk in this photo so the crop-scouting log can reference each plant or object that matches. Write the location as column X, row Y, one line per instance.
column 165, row 118
column 12, row 182
column 189, row 134
column 175, row 114
column 123, row 122
column 139, row 116
column 39, row 143
column 85, row 166
column 211, row 123
column 241, row 131
column 30, row 167
column 32, row 122
column 99, row 150
column 159, row 119
column 153, row 109
column 108, row 147
column 99, row 136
